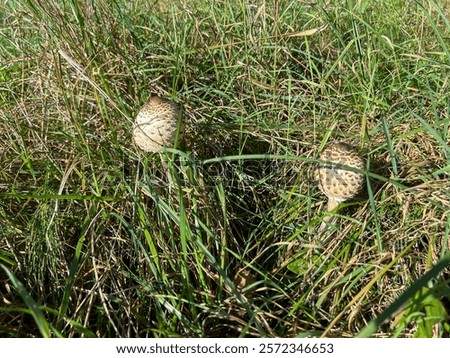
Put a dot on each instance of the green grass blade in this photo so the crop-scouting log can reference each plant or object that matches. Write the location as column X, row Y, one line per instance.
column 35, row 310
column 409, row 293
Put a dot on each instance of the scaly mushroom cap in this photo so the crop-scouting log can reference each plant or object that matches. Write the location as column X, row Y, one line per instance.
column 156, row 125
column 335, row 180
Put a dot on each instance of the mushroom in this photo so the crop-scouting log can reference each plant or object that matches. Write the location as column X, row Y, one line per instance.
column 156, row 125
column 335, row 177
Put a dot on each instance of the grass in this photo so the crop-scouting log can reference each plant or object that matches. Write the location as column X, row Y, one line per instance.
column 100, row 240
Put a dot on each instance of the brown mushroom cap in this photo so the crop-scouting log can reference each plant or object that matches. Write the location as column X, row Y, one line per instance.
column 156, row 125
column 335, row 178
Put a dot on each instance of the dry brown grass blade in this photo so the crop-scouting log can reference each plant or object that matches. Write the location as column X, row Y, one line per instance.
column 82, row 73
column 361, row 294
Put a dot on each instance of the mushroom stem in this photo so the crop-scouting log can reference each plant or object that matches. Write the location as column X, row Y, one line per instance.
column 332, row 204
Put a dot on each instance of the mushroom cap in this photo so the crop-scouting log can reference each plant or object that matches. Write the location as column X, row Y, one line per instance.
column 156, row 125
column 335, row 180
